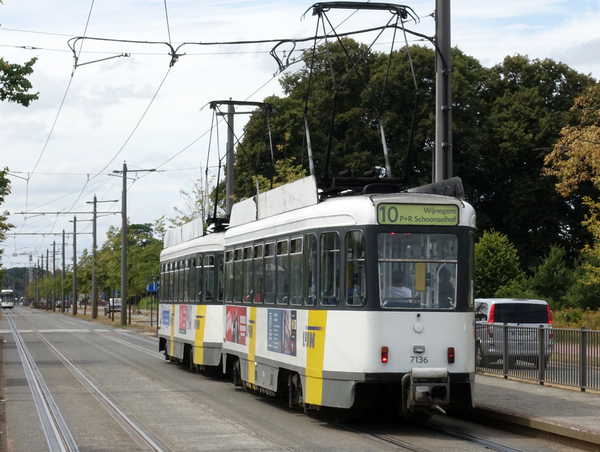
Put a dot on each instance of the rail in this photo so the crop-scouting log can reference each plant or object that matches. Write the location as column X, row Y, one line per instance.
column 546, row 355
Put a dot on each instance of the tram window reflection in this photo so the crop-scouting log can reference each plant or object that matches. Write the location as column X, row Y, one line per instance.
column 310, row 270
column 258, row 273
column 283, row 272
column 209, row 278
column 296, row 269
column 270, row 274
column 238, row 271
column 229, row 276
column 356, row 275
column 329, row 283
column 247, row 285
column 418, row 270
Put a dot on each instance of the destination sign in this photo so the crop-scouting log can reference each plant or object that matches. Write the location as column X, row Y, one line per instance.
column 417, row 214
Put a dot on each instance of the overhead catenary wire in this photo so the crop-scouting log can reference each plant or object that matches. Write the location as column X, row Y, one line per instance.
column 204, row 134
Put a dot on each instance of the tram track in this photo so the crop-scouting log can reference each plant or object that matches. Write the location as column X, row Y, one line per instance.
column 387, row 438
column 57, row 433
column 55, row 428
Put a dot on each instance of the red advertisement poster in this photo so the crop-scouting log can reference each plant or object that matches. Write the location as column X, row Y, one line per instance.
column 236, row 321
column 182, row 319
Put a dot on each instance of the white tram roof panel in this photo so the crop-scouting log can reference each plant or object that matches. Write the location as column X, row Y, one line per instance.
column 199, row 244
column 295, row 207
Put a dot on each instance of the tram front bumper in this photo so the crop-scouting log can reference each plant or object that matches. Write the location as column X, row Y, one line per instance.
column 426, row 388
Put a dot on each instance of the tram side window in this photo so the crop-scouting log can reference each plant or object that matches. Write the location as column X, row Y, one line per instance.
column 220, row 277
column 229, row 276
column 209, row 278
column 171, row 281
column 163, row 281
column 258, row 273
column 176, row 284
column 196, row 291
column 270, row 274
column 247, row 289
column 192, row 283
column 296, row 272
column 186, row 280
column 238, row 272
column 283, row 272
column 356, row 274
column 310, row 270
column 329, row 283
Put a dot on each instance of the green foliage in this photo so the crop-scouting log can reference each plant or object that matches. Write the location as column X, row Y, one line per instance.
column 576, row 319
column 505, row 121
column 517, row 288
column 523, row 107
column 143, row 255
column 4, row 224
column 553, row 279
column 496, row 264
column 14, row 84
column 584, row 292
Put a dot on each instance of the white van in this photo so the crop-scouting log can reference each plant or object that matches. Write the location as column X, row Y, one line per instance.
column 114, row 304
column 523, row 319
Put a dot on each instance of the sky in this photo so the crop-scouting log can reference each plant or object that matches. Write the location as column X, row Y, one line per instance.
column 63, row 149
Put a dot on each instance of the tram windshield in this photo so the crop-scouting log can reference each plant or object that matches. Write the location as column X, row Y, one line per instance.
column 417, row 270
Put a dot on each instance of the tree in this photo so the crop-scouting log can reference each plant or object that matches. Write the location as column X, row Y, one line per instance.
column 14, row 84
column 575, row 162
column 143, row 256
column 551, row 281
column 496, row 264
column 196, row 204
column 4, row 224
column 505, row 121
column 525, row 105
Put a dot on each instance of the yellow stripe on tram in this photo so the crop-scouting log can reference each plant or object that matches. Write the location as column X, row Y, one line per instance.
column 199, row 325
column 251, row 332
column 315, row 353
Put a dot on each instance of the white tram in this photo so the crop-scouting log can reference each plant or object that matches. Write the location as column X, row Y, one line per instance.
column 339, row 303
column 8, row 299
column 191, row 294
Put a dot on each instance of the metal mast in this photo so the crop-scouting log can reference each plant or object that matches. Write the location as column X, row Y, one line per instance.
column 443, row 93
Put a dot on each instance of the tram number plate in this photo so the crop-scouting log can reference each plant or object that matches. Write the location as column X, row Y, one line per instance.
column 419, row 359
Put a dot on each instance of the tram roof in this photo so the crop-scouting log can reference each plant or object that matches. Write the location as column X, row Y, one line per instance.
column 198, row 244
column 296, row 206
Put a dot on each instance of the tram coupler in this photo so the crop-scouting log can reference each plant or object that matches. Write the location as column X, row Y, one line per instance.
column 425, row 389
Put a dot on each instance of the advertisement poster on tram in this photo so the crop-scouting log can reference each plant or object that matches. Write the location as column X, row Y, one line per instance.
column 281, row 331
column 166, row 317
column 236, row 322
column 182, row 319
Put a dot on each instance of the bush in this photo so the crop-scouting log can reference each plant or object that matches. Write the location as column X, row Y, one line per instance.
column 496, row 264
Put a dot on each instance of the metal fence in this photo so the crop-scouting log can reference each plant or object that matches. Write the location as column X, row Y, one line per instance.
column 547, row 355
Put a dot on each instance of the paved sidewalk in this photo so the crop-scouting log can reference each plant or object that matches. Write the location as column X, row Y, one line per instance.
column 564, row 412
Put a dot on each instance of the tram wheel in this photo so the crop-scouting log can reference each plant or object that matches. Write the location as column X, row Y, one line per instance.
column 191, row 359
column 237, row 374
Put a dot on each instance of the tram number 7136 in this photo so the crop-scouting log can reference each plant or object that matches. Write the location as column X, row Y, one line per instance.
column 419, row 359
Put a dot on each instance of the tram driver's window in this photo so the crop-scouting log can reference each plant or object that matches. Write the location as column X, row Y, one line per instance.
column 417, row 271
column 329, row 281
